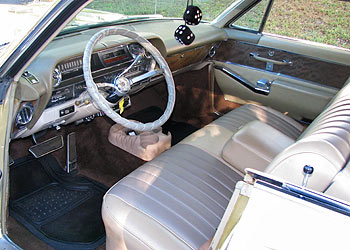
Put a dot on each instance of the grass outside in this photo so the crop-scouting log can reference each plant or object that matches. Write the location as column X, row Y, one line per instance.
column 323, row 21
column 167, row 8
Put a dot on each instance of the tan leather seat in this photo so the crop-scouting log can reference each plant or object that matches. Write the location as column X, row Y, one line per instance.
column 325, row 146
column 177, row 200
column 221, row 130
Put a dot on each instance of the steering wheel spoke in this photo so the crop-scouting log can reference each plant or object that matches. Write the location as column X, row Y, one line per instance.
column 145, row 76
column 105, row 85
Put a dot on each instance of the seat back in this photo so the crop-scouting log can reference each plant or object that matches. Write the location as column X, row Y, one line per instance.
column 324, row 145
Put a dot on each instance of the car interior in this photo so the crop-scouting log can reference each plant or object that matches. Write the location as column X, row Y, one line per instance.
column 125, row 138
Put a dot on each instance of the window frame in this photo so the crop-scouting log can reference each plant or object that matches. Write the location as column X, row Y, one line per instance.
column 247, row 9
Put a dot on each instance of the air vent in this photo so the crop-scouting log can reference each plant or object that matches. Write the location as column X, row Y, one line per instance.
column 25, row 115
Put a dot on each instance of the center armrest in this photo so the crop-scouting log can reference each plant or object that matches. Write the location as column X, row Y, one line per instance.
column 254, row 146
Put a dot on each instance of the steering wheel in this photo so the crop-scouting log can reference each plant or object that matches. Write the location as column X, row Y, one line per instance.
column 122, row 85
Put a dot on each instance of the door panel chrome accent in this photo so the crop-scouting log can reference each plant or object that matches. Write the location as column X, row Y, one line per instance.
column 263, row 84
column 278, row 74
column 252, row 86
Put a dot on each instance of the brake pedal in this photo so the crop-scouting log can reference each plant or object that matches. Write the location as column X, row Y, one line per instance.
column 47, row 147
column 71, row 164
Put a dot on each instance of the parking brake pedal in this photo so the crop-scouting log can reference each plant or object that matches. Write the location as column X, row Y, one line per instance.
column 71, row 164
column 47, row 147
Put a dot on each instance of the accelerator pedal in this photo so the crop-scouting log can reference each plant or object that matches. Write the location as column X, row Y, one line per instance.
column 47, row 147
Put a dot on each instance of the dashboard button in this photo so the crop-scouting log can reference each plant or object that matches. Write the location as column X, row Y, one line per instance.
column 66, row 111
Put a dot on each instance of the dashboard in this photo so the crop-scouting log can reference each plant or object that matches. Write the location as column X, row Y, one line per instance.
column 69, row 99
column 106, row 65
column 53, row 91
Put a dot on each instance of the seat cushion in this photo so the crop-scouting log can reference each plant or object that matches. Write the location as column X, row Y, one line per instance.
column 176, row 201
column 221, row 130
column 254, row 146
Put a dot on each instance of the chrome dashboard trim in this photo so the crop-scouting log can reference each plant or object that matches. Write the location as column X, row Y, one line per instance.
column 80, row 78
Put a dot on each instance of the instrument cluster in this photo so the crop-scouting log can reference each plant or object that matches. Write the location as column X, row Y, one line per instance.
column 105, row 65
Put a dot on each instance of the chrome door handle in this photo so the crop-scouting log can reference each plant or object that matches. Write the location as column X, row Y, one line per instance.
column 267, row 60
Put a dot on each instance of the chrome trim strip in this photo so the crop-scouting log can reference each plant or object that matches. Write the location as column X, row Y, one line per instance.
column 317, row 199
column 146, row 76
column 243, row 82
column 7, row 243
column 301, row 193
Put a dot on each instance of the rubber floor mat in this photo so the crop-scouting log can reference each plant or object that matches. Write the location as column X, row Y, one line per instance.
column 61, row 209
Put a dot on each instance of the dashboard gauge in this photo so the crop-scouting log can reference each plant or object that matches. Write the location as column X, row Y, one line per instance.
column 57, row 77
column 136, row 49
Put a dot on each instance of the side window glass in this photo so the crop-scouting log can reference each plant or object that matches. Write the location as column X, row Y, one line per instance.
column 323, row 21
column 251, row 20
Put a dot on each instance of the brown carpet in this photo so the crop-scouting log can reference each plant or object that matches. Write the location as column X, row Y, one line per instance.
column 103, row 162
column 193, row 99
column 22, row 237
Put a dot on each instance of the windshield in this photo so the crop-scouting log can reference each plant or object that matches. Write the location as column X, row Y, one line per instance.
column 17, row 20
column 101, row 11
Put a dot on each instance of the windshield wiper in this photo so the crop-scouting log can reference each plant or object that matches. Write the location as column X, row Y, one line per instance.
column 107, row 23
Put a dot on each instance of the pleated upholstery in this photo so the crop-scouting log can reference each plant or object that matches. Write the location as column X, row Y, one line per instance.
column 214, row 136
column 182, row 195
column 176, row 201
column 250, row 112
column 325, row 145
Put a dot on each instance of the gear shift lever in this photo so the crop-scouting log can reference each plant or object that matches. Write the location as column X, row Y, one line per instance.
column 308, row 170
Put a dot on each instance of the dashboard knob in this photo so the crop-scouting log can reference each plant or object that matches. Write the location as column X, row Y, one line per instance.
column 57, row 77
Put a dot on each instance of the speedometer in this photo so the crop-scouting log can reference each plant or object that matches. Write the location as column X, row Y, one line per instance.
column 136, row 49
